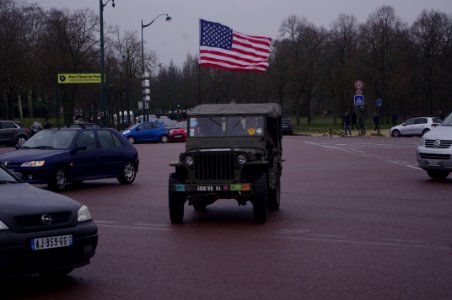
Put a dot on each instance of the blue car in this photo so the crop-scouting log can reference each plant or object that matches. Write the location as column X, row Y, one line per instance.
column 57, row 157
column 153, row 131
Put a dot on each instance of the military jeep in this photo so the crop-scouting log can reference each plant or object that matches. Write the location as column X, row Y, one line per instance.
column 233, row 151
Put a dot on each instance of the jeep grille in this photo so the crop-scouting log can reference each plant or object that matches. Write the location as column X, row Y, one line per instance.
column 214, row 166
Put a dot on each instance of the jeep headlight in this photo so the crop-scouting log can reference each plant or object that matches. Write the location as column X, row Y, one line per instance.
column 188, row 160
column 241, row 159
column 83, row 214
column 34, row 163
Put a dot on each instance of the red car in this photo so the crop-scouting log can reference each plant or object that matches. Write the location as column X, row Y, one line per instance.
column 178, row 132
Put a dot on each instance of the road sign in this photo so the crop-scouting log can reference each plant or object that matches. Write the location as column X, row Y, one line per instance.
column 379, row 102
column 79, row 78
column 358, row 100
column 359, row 84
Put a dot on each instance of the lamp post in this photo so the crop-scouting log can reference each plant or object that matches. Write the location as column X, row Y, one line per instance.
column 103, row 98
column 146, row 90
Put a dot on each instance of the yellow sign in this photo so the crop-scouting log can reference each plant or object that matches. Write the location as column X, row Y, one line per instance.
column 79, row 78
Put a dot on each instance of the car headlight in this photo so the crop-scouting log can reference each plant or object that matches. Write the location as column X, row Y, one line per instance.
column 422, row 141
column 34, row 163
column 241, row 159
column 83, row 214
column 3, row 226
column 188, row 160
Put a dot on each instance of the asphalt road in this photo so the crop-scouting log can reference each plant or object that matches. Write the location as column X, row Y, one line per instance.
column 358, row 220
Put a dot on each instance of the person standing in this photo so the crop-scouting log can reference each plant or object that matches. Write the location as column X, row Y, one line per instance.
column 376, row 120
column 362, row 130
column 346, row 120
column 394, row 119
column 354, row 119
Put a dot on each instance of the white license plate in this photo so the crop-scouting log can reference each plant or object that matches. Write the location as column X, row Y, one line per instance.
column 51, row 242
column 434, row 163
column 209, row 188
column 177, row 136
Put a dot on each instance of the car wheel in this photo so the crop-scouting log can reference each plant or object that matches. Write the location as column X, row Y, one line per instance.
column 176, row 201
column 128, row 173
column 425, row 131
column 58, row 181
column 260, row 199
column 164, row 139
column 274, row 196
column 395, row 133
column 131, row 139
column 21, row 140
column 438, row 175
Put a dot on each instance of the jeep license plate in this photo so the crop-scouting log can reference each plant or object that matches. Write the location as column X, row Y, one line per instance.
column 209, row 188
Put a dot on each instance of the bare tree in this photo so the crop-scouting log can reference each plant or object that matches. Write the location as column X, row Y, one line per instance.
column 431, row 35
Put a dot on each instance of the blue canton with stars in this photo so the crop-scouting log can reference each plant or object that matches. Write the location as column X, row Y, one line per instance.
column 215, row 35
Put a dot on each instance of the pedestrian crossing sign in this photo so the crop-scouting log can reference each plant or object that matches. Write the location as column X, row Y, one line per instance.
column 358, row 100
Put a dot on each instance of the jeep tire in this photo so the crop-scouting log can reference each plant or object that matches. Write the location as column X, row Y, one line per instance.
column 274, row 196
column 260, row 198
column 176, row 201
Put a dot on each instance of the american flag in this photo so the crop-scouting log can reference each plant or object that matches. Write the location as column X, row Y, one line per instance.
column 221, row 47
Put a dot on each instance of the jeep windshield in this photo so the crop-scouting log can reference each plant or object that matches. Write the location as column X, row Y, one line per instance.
column 221, row 126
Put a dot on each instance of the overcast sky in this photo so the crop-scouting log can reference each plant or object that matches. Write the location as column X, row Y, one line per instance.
column 175, row 39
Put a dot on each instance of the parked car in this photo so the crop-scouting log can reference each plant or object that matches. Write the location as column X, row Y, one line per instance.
column 146, row 132
column 415, row 126
column 178, row 132
column 83, row 125
column 42, row 232
column 13, row 133
column 286, row 125
column 57, row 157
column 434, row 154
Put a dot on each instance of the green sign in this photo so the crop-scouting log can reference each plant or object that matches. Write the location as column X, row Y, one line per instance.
column 79, row 78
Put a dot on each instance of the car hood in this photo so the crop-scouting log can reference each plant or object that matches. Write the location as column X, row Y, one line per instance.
column 23, row 155
column 439, row 133
column 26, row 199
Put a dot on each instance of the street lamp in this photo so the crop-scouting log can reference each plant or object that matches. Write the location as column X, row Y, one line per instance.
column 103, row 98
column 146, row 91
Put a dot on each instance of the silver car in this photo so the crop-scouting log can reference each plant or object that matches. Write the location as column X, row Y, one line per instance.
column 434, row 154
column 415, row 126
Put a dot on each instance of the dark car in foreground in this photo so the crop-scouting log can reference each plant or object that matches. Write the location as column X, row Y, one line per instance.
column 13, row 133
column 57, row 157
column 153, row 131
column 42, row 232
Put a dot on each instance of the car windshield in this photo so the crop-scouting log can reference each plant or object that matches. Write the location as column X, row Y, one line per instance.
column 5, row 177
column 447, row 121
column 181, row 125
column 226, row 126
column 51, row 139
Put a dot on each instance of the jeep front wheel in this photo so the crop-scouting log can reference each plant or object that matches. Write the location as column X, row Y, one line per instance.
column 176, row 201
column 260, row 199
column 274, row 196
